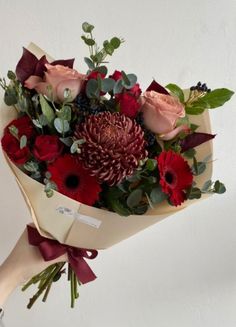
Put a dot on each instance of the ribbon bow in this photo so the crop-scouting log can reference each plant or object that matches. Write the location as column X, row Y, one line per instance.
column 52, row 249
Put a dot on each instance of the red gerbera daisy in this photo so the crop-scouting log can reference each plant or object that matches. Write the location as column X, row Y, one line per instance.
column 175, row 176
column 73, row 180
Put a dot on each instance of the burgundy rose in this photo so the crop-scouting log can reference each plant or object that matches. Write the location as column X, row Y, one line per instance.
column 24, row 126
column 129, row 106
column 12, row 148
column 135, row 90
column 47, row 147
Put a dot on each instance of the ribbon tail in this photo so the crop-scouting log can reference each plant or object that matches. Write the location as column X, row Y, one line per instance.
column 82, row 269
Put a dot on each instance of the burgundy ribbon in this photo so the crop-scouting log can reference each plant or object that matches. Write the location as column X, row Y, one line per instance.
column 52, row 249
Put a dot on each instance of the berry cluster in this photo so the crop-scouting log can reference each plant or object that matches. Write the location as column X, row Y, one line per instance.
column 200, row 87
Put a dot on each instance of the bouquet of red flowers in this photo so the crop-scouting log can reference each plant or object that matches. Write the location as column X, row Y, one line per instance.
column 102, row 149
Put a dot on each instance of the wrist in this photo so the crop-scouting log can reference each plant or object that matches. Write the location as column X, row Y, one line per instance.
column 9, row 280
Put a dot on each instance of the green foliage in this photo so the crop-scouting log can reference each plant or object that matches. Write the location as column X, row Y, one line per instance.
column 46, row 109
column 61, row 125
column 177, row 91
column 134, row 198
column 157, row 196
column 92, row 88
column 190, row 153
column 211, row 100
column 23, row 141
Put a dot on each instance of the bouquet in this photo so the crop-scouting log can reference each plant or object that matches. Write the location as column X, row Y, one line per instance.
column 96, row 158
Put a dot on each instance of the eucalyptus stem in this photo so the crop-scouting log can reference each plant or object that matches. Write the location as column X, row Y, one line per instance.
column 72, row 289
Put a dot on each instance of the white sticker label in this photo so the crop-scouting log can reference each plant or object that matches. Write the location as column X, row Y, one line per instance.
column 93, row 222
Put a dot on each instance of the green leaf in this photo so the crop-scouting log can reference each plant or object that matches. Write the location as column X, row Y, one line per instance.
column 119, row 208
column 92, row 90
column 190, row 153
column 11, row 75
column 206, row 186
column 89, row 62
column 37, row 123
column 31, row 166
column 68, row 141
column 101, row 69
column 13, row 130
column 65, row 113
column 195, row 193
column 177, row 91
column 118, row 87
column 10, row 97
column 23, row 141
column 46, row 109
column 115, row 42
column 216, row 98
column 132, row 80
column 43, row 120
column 87, row 28
column 62, row 126
column 108, row 47
column 195, row 109
column 198, row 168
column 157, row 196
column 134, row 178
column 125, row 78
column 107, row 85
column 219, row 187
column 151, row 164
column 134, row 198
column 193, row 127
column 140, row 210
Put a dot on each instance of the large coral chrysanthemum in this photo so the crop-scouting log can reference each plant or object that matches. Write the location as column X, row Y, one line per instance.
column 175, row 176
column 73, row 180
column 114, row 145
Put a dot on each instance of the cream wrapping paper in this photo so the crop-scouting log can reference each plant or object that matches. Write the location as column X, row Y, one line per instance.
column 76, row 224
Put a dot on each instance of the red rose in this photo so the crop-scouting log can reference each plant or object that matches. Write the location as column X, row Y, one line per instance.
column 135, row 90
column 95, row 75
column 129, row 106
column 12, row 148
column 24, row 126
column 47, row 147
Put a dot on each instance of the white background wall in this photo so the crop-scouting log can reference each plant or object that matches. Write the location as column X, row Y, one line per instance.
column 182, row 271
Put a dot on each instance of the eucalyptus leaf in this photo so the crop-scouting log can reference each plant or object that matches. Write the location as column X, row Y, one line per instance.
column 118, row 87
column 219, row 187
column 195, row 193
column 89, row 62
column 37, row 123
column 206, row 186
column 115, row 42
column 134, row 198
column 92, row 89
column 157, row 196
column 87, row 28
column 68, row 141
column 31, row 166
column 107, row 85
column 23, row 141
column 62, row 126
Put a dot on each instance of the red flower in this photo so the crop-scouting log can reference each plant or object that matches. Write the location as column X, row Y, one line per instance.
column 47, row 147
column 73, row 180
column 24, row 126
column 135, row 90
column 175, row 176
column 95, row 75
column 129, row 106
column 12, row 148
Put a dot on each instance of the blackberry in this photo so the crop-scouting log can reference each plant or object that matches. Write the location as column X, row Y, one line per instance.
column 139, row 119
column 82, row 103
column 149, row 137
column 96, row 109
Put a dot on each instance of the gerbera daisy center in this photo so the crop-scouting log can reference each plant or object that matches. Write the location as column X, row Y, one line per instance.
column 72, row 181
column 169, row 177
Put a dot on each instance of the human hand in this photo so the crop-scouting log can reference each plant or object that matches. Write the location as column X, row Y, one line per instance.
column 23, row 262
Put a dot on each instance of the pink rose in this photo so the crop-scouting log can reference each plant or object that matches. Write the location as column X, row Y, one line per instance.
column 59, row 78
column 161, row 112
